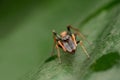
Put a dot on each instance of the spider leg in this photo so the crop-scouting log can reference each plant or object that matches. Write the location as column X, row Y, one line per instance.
column 58, row 40
column 57, row 43
column 53, row 49
column 54, row 43
column 55, row 37
column 72, row 35
column 64, row 49
column 78, row 33
column 84, row 49
column 58, row 53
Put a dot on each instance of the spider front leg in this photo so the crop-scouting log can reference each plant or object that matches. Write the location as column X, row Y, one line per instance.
column 72, row 35
column 57, row 41
column 78, row 33
column 55, row 37
column 54, row 43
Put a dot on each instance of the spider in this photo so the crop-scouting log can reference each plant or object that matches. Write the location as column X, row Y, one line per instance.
column 67, row 41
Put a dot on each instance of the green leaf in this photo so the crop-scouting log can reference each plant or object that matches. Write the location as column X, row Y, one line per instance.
column 102, row 28
column 26, row 39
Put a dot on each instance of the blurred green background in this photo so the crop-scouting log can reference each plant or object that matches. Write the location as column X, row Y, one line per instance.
column 25, row 30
